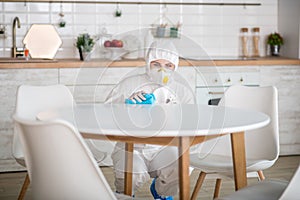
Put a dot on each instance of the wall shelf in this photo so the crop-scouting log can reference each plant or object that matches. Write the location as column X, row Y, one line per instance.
column 135, row 2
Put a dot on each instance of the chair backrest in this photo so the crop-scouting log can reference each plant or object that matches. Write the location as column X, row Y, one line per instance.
column 59, row 163
column 261, row 143
column 33, row 99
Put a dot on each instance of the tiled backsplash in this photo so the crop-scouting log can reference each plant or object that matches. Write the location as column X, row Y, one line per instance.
column 215, row 28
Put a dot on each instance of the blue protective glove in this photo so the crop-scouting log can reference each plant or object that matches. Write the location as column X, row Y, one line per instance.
column 150, row 99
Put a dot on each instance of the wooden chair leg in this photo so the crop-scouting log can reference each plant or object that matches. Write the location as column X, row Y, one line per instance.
column 261, row 175
column 198, row 185
column 24, row 188
column 217, row 188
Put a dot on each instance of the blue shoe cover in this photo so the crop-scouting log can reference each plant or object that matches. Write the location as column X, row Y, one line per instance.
column 157, row 196
column 150, row 99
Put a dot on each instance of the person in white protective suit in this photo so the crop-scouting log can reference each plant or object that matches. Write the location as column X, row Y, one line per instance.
column 158, row 162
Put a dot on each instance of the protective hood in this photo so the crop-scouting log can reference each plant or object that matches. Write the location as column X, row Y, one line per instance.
column 162, row 50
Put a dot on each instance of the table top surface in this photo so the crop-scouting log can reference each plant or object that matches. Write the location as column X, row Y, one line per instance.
column 158, row 120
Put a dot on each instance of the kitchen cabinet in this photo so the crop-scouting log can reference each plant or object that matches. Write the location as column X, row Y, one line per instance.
column 89, row 85
column 287, row 81
column 10, row 80
column 289, row 27
column 94, row 84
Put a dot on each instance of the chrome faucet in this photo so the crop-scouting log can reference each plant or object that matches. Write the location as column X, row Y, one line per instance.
column 15, row 51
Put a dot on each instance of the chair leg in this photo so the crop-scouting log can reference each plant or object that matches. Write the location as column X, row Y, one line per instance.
column 24, row 188
column 217, row 188
column 198, row 185
column 261, row 175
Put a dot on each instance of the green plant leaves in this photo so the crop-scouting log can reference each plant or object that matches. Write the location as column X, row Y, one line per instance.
column 275, row 39
column 85, row 42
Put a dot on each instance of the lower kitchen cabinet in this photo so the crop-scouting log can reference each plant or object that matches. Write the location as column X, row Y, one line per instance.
column 287, row 81
column 11, row 79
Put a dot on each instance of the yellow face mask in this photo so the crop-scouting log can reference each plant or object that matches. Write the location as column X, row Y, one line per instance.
column 161, row 76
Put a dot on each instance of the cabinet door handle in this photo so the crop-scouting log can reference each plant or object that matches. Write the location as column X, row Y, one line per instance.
column 215, row 92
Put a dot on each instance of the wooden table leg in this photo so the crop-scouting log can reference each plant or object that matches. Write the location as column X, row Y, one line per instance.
column 239, row 159
column 128, row 168
column 184, row 163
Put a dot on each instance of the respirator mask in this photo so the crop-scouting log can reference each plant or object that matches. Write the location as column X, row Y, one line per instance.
column 161, row 74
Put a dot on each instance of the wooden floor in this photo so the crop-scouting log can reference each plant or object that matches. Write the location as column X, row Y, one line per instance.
column 10, row 183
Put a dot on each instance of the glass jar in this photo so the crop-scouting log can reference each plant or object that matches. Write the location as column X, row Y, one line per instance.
column 244, row 42
column 256, row 39
column 101, row 38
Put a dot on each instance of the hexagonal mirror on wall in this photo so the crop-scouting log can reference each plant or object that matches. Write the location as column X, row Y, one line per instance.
column 42, row 41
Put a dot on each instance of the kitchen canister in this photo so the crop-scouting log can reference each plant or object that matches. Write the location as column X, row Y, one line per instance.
column 244, row 42
column 256, row 40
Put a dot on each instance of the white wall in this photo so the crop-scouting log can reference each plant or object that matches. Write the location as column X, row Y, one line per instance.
column 215, row 28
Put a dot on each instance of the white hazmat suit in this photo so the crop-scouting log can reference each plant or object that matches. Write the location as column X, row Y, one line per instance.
column 153, row 161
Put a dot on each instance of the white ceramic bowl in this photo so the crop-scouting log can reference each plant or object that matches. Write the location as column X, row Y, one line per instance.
column 116, row 53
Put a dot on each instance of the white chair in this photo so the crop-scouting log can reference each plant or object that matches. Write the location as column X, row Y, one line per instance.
column 30, row 101
column 292, row 191
column 59, row 163
column 271, row 190
column 33, row 99
column 262, row 145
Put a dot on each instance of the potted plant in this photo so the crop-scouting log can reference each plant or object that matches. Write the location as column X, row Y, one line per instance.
column 275, row 40
column 85, row 45
column 62, row 24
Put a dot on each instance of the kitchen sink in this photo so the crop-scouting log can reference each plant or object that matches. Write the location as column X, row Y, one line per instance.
column 23, row 60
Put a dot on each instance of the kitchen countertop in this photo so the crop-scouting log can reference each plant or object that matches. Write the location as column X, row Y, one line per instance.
column 10, row 63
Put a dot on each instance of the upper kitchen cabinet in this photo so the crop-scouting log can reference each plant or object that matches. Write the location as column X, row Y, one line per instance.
column 289, row 27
